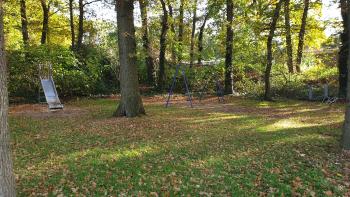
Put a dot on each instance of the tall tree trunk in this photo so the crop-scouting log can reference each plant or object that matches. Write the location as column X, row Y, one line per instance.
column 131, row 102
column 172, row 28
column 165, row 27
column 146, row 44
column 302, row 35
column 194, row 21
column 288, row 36
column 344, row 50
column 181, row 29
column 346, row 128
column 71, row 22
column 200, row 38
column 269, row 50
column 7, row 181
column 80, row 24
column 24, row 20
column 45, row 29
column 229, row 48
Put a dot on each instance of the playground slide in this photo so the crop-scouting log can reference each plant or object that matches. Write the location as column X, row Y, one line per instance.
column 51, row 94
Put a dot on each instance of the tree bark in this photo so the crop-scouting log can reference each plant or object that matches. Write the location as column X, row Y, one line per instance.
column 194, row 21
column 45, row 28
column 172, row 28
column 229, row 48
column 344, row 50
column 131, row 102
column 200, row 38
column 302, row 35
column 146, row 44
column 24, row 20
column 71, row 22
column 346, row 129
column 181, row 29
column 7, row 181
column 165, row 27
column 288, row 36
column 80, row 24
column 269, row 50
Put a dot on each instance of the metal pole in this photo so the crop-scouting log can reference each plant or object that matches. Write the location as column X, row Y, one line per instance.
column 172, row 85
column 186, row 85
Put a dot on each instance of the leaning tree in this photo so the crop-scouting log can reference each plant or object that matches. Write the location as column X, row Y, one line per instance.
column 131, row 102
column 7, row 183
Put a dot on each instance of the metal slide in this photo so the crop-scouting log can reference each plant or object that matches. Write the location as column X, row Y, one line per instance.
column 49, row 88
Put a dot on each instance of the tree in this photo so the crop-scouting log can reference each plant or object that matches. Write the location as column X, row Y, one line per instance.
column 71, row 23
column 181, row 28
column 45, row 29
column 344, row 50
column 194, row 20
column 172, row 28
column 229, row 48
column 80, row 24
column 131, row 102
column 271, row 35
column 24, row 20
column 146, row 44
column 288, row 36
column 7, row 181
column 346, row 128
column 165, row 27
column 302, row 34
column 200, row 37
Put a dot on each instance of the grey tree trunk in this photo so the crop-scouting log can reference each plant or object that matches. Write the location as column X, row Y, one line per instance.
column 346, row 128
column 200, row 38
column 7, row 181
column 344, row 50
column 165, row 27
column 229, row 48
column 302, row 35
column 80, row 24
column 194, row 21
column 24, row 20
column 288, row 36
column 71, row 22
column 131, row 102
column 269, row 50
column 146, row 44
column 172, row 28
column 45, row 28
column 181, row 28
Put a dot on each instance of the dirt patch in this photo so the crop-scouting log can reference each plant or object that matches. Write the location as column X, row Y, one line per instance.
column 42, row 111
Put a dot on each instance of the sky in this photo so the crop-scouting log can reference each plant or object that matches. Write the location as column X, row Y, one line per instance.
column 330, row 11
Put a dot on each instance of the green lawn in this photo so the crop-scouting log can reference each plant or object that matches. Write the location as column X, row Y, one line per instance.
column 241, row 148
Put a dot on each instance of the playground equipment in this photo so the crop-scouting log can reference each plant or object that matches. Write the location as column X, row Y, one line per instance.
column 325, row 98
column 48, row 87
column 171, row 91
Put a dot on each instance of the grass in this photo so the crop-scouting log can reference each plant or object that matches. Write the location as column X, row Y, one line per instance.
column 241, row 148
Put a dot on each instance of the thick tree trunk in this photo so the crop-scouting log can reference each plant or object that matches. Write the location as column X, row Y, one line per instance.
column 229, row 48
column 24, row 20
column 7, row 181
column 288, row 36
column 181, row 29
column 200, row 38
column 346, row 128
column 71, row 22
column 45, row 28
column 269, row 50
column 165, row 27
column 302, row 35
column 131, row 102
column 344, row 50
column 194, row 21
column 80, row 24
column 146, row 44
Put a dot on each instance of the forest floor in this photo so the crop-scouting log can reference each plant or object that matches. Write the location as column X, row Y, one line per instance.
column 241, row 147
